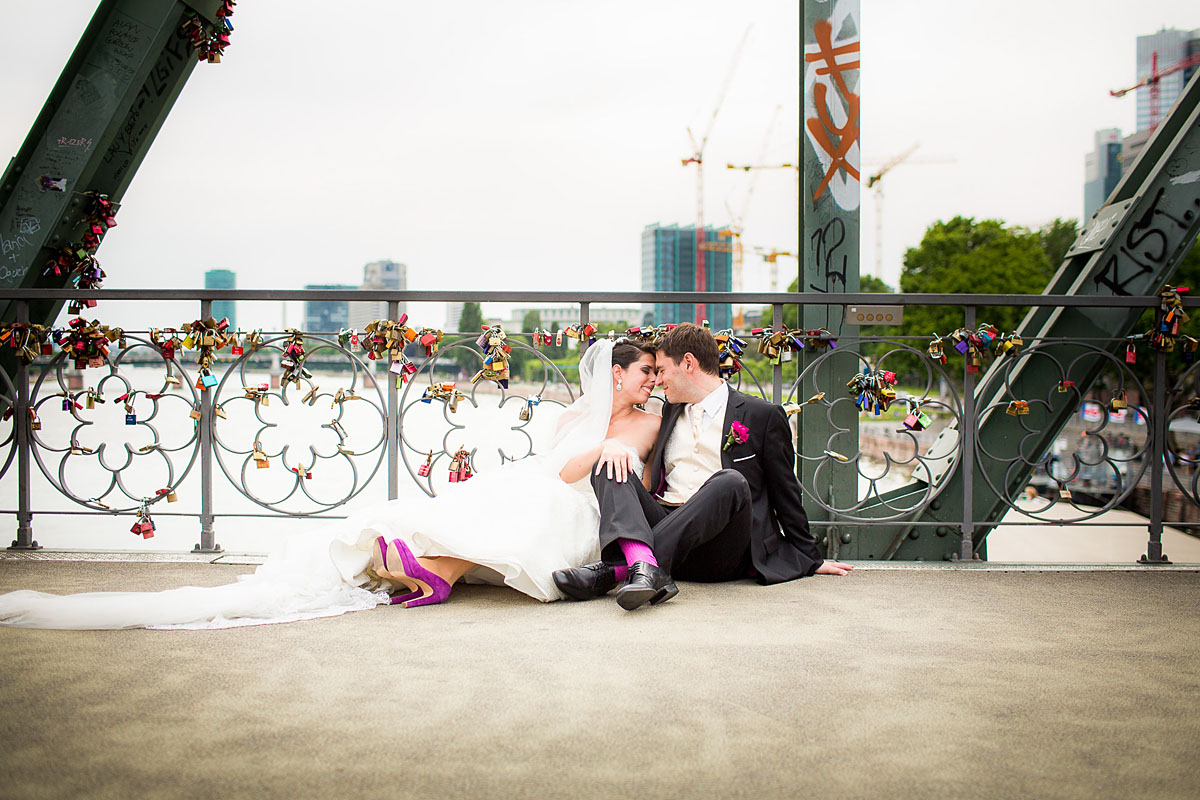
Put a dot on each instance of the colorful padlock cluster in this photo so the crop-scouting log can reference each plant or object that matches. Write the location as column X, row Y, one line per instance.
column 209, row 40
column 872, row 390
column 385, row 337
column 79, row 260
column 495, row 356
column 987, row 340
column 729, row 353
column 584, row 330
column 1165, row 334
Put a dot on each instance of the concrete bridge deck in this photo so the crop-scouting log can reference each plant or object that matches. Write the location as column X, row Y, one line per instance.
column 933, row 682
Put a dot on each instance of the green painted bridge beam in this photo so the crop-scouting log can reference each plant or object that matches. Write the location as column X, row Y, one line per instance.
column 1131, row 247
column 92, row 134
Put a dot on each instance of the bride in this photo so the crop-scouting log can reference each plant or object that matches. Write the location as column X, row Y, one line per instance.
column 541, row 516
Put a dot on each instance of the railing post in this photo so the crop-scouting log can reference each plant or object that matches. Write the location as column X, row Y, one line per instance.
column 967, row 441
column 1158, row 447
column 393, row 419
column 207, row 534
column 777, row 369
column 24, row 540
column 585, row 314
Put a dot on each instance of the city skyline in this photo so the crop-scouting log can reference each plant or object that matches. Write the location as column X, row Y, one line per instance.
column 382, row 151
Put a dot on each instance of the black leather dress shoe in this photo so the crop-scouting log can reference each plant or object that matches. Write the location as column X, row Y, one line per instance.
column 647, row 583
column 586, row 582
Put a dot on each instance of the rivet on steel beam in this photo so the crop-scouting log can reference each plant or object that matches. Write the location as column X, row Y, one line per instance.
column 914, row 534
column 845, row 537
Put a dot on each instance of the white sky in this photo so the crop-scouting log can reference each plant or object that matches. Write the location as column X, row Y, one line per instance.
column 526, row 145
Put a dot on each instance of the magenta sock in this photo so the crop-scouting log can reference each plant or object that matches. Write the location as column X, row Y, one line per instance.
column 635, row 551
column 622, row 572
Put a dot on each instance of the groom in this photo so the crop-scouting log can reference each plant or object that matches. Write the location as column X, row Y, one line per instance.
column 725, row 503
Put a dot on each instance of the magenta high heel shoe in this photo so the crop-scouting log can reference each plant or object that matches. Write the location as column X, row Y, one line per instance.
column 434, row 588
column 380, row 565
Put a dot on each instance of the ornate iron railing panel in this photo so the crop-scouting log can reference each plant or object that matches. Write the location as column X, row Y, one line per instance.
column 328, row 437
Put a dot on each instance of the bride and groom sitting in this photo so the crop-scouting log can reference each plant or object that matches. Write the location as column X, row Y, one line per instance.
column 720, row 500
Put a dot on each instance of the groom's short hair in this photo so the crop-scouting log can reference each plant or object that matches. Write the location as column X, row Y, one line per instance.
column 688, row 338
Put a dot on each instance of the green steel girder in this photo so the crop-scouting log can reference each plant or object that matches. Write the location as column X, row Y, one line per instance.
column 1131, row 247
column 97, row 124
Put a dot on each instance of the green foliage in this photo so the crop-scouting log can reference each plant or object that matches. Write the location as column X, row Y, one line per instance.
column 790, row 313
column 963, row 256
column 470, row 322
column 521, row 356
column 871, row 284
column 1056, row 238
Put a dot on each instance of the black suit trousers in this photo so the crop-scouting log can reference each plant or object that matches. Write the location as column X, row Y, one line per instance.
column 705, row 539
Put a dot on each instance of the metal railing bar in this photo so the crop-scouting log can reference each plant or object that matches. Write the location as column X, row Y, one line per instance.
column 576, row 298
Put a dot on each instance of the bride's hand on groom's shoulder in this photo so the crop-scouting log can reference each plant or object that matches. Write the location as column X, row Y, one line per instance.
column 835, row 568
column 615, row 458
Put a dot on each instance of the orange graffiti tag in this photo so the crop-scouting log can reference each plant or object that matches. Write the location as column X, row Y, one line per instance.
column 823, row 128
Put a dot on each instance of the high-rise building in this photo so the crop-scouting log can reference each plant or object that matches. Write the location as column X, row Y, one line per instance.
column 1170, row 46
column 669, row 265
column 223, row 279
column 454, row 312
column 1114, row 155
column 378, row 276
column 1102, row 170
column 326, row 316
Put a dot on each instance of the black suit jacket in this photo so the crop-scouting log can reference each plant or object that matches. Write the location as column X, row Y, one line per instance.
column 781, row 547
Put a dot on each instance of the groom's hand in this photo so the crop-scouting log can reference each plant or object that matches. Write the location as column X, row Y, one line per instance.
column 615, row 458
column 835, row 568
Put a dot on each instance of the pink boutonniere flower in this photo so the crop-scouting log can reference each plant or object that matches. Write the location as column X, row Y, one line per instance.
column 738, row 434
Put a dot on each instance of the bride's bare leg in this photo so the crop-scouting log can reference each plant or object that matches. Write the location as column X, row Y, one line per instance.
column 430, row 578
column 447, row 568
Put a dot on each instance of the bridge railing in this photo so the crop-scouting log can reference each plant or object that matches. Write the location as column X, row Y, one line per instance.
column 124, row 435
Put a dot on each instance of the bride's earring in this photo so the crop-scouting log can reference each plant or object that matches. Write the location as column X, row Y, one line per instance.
column 618, row 384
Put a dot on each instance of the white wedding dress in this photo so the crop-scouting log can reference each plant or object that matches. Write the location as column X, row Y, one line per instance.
column 536, row 524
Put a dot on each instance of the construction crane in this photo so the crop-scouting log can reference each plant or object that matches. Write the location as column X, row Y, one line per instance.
column 1152, row 81
column 875, row 182
column 737, row 223
column 697, row 158
column 770, row 256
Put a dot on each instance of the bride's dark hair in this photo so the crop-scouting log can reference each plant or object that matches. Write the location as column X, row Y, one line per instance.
column 628, row 351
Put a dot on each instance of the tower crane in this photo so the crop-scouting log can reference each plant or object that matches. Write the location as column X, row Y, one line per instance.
column 875, row 182
column 771, row 255
column 1152, row 81
column 737, row 222
column 697, row 158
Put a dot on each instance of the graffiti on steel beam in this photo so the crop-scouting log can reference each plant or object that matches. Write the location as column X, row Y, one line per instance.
column 1152, row 239
column 831, row 102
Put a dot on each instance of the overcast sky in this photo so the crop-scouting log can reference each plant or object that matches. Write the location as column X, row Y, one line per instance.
column 526, row 145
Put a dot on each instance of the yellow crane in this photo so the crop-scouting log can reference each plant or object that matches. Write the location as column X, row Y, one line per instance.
column 733, row 233
column 874, row 182
column 697, row 158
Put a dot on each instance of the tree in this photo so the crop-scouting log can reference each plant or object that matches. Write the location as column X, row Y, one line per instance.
column 963, row 256
column 469, row 323
column 1056, row 238
column 867, row 283
column 520, row 357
